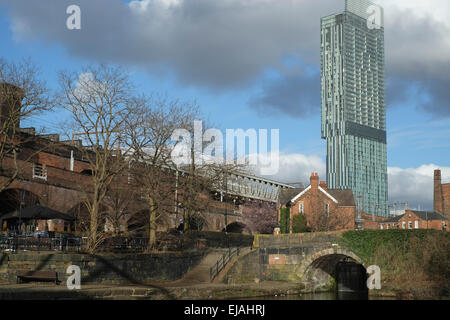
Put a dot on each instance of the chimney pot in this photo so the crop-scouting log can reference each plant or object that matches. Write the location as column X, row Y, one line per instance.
column 314, row 180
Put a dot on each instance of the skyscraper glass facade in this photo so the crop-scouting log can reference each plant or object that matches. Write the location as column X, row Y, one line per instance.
column 353, row 103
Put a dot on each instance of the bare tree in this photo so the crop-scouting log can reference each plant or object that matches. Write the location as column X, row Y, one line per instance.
column 100, row 99
column 325, row 216
column 22, row 95
column 150, row 131
column 167, row 187
column 204, row 174
column 122, row 203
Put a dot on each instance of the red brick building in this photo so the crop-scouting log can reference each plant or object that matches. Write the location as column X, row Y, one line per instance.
column 413, row 219
column 371, row 222
column 441, row 195
column 324, row 209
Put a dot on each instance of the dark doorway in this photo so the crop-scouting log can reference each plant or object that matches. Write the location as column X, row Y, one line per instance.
column 237, row 227
column 351, row 279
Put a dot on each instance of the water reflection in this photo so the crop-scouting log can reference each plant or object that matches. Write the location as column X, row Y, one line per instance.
column 331, row 295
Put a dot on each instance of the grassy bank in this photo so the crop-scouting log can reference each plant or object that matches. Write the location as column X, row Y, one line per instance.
column 414, row 263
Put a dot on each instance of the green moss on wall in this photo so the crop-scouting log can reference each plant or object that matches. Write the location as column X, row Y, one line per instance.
column 410, row 260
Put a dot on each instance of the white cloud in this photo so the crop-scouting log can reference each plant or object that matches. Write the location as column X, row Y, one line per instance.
column 437, row 9
column 143, row 5
column 230, row 44
column 412, row 185
column 298, row 168
column 415, row 185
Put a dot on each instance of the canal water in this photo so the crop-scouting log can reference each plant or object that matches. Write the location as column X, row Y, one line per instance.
column 351, row 278
column 331, row 295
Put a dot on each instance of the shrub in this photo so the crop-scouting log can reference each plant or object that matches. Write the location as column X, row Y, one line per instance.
column 299, row 224
column 284, row 220
column 410, row 260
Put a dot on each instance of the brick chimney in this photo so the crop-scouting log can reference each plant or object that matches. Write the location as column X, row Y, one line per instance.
column 438, row 203
column 323, row 185
column 11, row 98
column 314, row 180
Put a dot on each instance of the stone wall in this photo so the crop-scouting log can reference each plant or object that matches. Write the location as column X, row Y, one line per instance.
column 296, row 239
column 213, row 239
column 309, row 259
column 270, row 264
column 103, row 269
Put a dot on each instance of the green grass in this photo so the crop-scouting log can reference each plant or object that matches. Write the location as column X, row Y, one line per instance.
column 365, row 243
column 410, row 260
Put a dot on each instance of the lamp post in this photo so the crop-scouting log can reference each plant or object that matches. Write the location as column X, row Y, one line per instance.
column 358, row 219
column 183, row 221
column 226, row 211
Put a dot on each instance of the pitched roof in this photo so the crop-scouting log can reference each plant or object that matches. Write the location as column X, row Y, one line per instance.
column 429, row 215
column 392, row 219
column 37, row 212
column 287, row 195
column 344, row 197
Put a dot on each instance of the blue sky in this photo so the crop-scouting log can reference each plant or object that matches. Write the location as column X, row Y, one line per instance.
column 252, row 64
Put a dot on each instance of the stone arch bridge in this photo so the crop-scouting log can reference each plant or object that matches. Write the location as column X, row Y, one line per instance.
column 310, row 259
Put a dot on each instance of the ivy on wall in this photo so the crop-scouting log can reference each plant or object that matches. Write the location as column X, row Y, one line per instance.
column 299, row 224
column 365, row 243
column 285, row 220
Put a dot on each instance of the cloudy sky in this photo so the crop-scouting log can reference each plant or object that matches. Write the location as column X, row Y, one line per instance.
column 255, row 64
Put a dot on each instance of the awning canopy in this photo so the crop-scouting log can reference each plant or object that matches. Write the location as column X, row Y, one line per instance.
column 36, row 213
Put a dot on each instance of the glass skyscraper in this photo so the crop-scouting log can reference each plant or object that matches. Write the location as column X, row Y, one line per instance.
column 353, row 103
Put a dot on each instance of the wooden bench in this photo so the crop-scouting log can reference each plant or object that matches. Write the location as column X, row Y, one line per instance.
column 37, row 275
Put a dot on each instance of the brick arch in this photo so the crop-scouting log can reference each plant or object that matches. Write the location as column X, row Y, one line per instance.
column 54, row 197
column 40, row 189
column 238, row 227
column 10, row 199
column 326, row 252
column 318, row 269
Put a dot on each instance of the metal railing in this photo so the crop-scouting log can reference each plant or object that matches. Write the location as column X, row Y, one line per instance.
column 71, row 244
column 22, row 243
column 222, row 262
column 123, row 244
column 117, row 244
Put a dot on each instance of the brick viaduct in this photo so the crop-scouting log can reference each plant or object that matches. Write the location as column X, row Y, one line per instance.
column 66, row 177
column 60, row 190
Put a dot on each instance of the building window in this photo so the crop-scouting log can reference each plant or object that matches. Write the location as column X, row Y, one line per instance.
column 403, row 225
column 387, row 227
column 39, row 171
column 300, row 207
column 409, row 224
column 327, row 209
column 416, row 224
